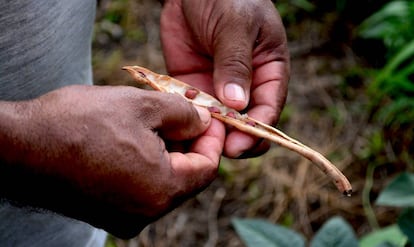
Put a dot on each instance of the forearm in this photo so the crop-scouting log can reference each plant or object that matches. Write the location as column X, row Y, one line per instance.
column 31, row 167
column 15, row 135
column 94, row 154
column 37, row 161
column 14, row 117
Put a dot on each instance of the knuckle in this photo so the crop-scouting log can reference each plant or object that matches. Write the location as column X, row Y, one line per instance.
column 237, row 64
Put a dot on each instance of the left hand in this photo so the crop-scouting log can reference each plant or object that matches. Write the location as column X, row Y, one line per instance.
column 102, row 154
column 234, row 50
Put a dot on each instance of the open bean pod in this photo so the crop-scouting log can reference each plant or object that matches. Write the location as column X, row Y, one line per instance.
column 242, row 122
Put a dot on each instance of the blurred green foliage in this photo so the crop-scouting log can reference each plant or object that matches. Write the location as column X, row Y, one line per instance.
column 257, row 232
column 336, row 231
column 289, row 10
column 390, row 91
column 391, row 88
column 391, row 106
column 393, row 24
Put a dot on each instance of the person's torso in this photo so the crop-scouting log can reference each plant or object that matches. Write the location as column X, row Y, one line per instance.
column 44, row 45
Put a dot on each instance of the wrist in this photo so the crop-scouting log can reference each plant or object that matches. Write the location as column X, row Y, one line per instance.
column 15, row 132
column 14, row 118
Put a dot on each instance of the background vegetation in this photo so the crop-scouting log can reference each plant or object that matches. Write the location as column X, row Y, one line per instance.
column 350, row 97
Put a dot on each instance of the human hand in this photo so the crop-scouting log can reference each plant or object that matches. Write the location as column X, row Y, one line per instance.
column 235, row 50
column 98, row 154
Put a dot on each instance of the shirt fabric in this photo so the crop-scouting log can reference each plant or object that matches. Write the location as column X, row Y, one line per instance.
column 44, row 45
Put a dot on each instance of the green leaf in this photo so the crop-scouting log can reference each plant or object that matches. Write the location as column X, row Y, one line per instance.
column 255, row 232
column 399, row 192
column 406, row 223
column 336, row 232
column 400, row 112
column 386, row 244
column 391, row 24
column 396, row 9
column 404, row 53
column 390, row 234
column 303, row 4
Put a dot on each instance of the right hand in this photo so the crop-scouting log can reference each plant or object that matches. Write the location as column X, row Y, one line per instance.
column 234, row 50
column 100, row 154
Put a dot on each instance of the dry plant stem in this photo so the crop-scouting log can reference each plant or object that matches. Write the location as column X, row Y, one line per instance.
column 242, row 122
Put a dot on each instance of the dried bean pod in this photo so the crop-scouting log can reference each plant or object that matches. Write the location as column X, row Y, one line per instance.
column 244, row 123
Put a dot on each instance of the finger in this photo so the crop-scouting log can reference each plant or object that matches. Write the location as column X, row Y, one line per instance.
column 197, row 168
column 260, row 147
column 241, row 145
column 233, row 61
column 180, row 51
column 174, row 118
column 267, row 98
column 269, row 91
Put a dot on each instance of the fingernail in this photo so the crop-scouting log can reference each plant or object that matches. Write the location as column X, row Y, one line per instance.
column 204, row 114
column 233, row 91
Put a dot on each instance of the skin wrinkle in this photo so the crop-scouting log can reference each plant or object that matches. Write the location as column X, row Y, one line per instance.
column 235, row 61
column 269, row 52
column 272, row 109
column 202, row 47
column 171, row 120
column 233, row 64
column 275, row 46
column 260, row 95
column 148, row 112
column 215, row 18
column 189, row 47
column 151, row 110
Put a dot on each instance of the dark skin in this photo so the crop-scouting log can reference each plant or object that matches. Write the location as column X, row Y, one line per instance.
column 228, row 47
column 98, row 154
column 109, row 156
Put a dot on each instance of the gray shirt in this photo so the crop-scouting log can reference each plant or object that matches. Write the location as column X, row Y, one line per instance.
column 44, row 45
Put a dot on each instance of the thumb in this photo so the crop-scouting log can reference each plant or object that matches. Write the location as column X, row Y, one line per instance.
column 180, row 120
column 233, row 67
